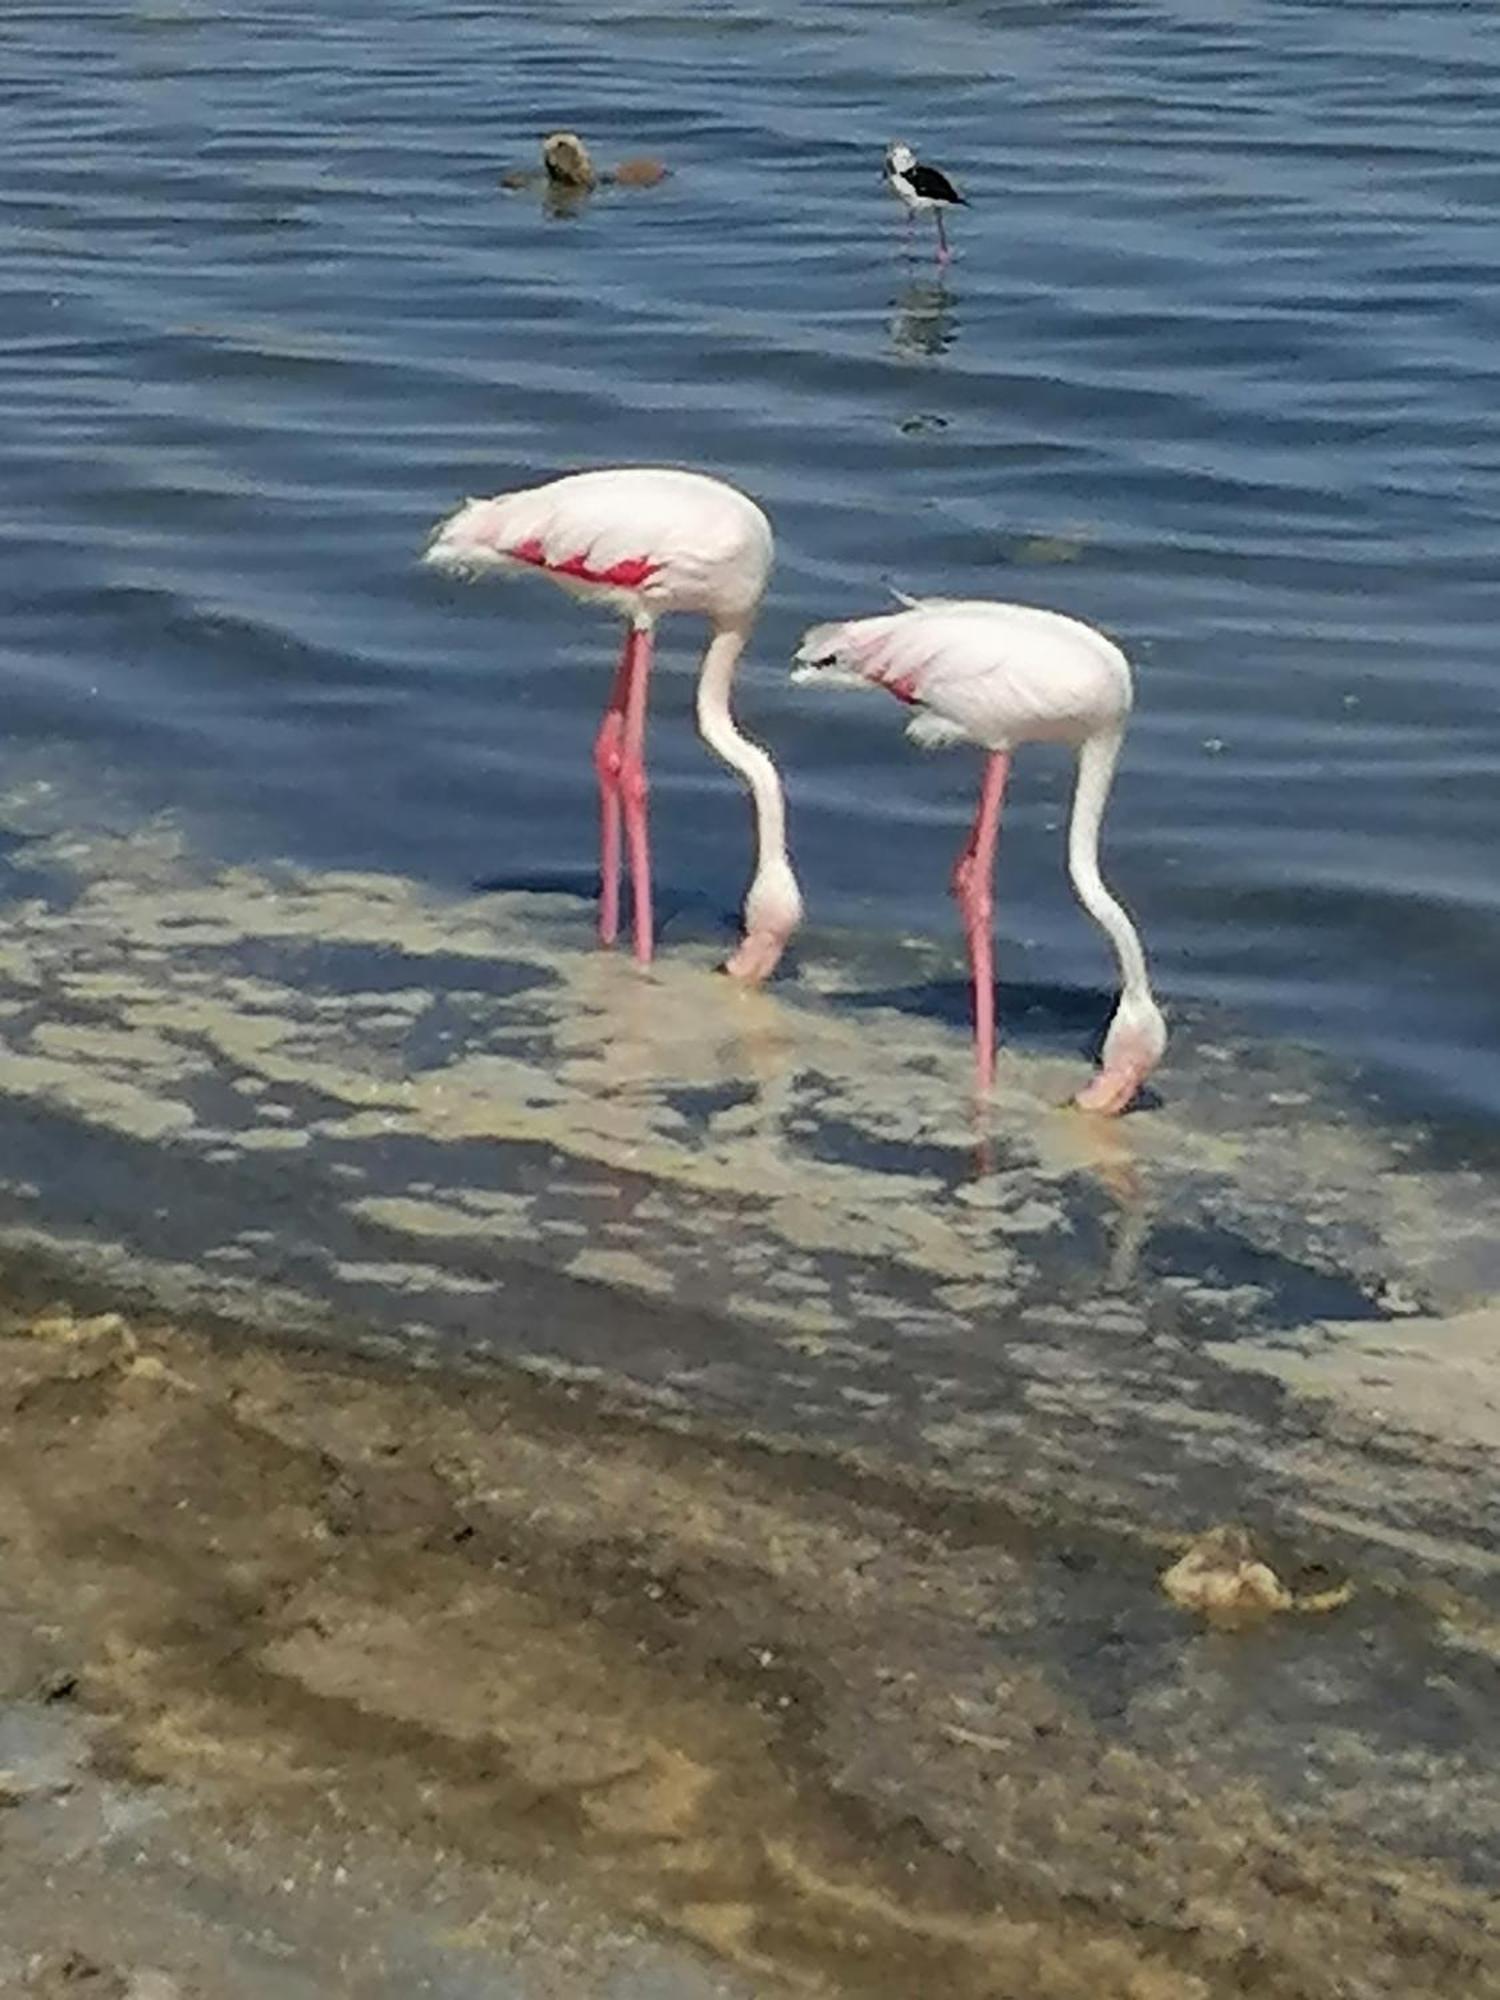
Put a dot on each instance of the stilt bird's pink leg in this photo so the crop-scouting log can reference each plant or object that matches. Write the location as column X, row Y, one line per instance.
column 609, row 747
column 945, row 255
column 973, row 876
column 634, row 789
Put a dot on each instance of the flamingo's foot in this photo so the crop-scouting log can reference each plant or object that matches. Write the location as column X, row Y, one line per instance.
column 1112, row 1090
column 756, row 957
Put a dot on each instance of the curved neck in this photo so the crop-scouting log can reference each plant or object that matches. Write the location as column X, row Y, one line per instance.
column 752, row 763
column 1096, row 770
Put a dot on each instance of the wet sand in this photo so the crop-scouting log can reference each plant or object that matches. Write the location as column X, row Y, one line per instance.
column 492, row 1648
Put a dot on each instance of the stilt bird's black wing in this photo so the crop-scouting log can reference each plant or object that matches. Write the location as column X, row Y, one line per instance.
column 933, row 185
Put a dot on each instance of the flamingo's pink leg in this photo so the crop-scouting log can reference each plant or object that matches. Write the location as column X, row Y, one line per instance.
column 634, row 789
column 945, row 255
column 609, row 747
column 973, row 877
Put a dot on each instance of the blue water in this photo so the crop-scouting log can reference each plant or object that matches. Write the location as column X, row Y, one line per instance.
column 1216, row 368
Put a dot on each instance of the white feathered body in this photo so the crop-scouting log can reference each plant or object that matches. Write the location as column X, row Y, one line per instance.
column 906, row 194
column 904, row 175
column 998, row 675
column 973, row 671
column 642, row 540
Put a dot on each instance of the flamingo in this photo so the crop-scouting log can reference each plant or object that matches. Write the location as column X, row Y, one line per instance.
column 997, row 675
column 642, row 542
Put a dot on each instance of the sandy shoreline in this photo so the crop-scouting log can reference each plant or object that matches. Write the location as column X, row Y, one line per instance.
column 490, row 1627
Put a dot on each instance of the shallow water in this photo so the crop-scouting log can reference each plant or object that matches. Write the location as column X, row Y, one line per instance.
column 347, row 1106
column 1215, row 368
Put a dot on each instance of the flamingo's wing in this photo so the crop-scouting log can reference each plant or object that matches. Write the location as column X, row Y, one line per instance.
column 908, row 654
column 996, row 674
column 592, row 532
column 677, row 540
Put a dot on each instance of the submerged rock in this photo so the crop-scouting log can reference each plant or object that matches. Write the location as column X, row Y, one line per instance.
column 644, row 172
column 73, row 1975
column 1223, row 1579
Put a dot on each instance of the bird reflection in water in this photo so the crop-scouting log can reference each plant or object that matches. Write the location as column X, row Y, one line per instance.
column 923, row 322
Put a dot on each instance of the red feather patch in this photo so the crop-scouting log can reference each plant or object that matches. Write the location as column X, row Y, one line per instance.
column 628, row 574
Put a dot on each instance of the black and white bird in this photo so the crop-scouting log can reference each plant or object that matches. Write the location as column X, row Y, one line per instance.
column 922, row 190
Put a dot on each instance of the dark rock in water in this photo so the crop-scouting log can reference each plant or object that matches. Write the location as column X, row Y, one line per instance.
column 567, row 161
column 568, row 169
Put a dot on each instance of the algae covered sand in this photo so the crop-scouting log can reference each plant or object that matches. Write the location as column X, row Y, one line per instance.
column 449, row 1120
column 723, row 1476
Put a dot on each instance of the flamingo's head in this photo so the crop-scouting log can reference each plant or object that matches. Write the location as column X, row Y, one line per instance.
column 1135, row 1044
column 773, row 910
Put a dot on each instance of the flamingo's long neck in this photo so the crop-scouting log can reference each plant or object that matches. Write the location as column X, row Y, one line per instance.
column 1096, row 770
column 773, row 907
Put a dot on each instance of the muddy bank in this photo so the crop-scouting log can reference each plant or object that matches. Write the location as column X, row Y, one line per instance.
column 805, row 1725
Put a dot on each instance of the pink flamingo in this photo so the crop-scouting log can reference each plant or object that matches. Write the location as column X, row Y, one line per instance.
column 997, row 675
column 644, row 542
